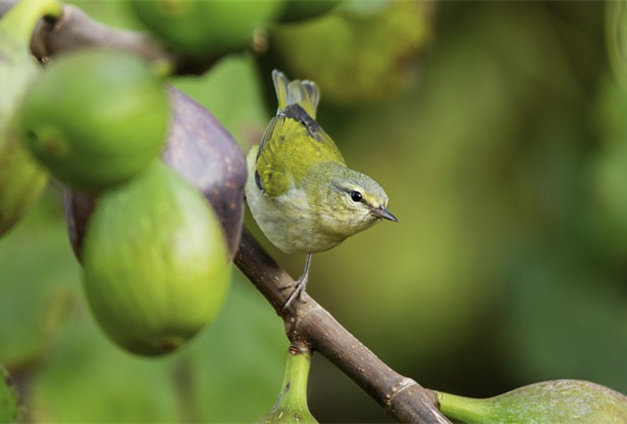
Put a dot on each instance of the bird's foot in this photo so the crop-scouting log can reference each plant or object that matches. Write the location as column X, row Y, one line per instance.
column 299, row 285
column 299, row 288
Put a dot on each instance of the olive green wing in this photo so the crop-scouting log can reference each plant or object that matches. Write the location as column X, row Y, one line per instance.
column 291, row 144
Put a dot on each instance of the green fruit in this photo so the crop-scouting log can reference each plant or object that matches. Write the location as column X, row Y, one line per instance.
column 95, row 118
column 202, row 29
column 21, row 184
column 299, row 10
column 549, row 402
column 21, row 179
column 364, row 52
column 155, row 263
column 204, row 153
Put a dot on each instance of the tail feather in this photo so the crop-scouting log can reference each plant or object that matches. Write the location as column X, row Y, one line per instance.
column 304, row 93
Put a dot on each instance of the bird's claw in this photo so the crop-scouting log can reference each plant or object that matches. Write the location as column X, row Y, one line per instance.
column 299, row 289
column 299, row 285
column 288, row 285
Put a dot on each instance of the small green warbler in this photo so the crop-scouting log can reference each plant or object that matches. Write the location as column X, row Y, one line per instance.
column 299, row 189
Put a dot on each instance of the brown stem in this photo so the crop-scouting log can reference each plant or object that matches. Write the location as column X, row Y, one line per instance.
column 308, row 323
column 74, row 30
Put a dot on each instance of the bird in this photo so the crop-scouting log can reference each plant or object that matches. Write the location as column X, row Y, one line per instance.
column 301, row 193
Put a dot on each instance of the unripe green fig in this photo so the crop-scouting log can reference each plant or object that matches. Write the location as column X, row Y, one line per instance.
column 364, row 53
column 291, row 405
column 155, row 262
column 549, row 402
column 205, row 29
column 95, row 118
column 204, row 153
column 21, row 179
column 299, row 10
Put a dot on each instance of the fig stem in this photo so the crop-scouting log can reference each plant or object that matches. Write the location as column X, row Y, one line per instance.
column 294, row 388
column 20, row 21
column 74, row 30
column 467, row 410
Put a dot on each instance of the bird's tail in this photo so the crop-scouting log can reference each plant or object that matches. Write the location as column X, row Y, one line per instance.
column 304, row 93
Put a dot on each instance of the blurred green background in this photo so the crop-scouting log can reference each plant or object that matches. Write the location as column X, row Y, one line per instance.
column 498, row 131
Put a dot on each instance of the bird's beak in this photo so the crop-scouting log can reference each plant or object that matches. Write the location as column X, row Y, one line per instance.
column 384, row 213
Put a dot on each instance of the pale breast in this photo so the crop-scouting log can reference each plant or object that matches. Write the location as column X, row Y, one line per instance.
column 287, row 221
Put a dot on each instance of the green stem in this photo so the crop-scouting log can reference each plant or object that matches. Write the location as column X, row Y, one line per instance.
column 294, row 387
column 20, row 21
column 291, row 406
column 463, row 409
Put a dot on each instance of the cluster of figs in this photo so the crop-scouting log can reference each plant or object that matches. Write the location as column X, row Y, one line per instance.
column 153, row 183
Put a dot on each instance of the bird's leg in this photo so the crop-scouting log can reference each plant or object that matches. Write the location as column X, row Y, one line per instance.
column 299, row 285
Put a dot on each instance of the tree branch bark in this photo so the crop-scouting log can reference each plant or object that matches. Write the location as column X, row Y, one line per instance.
column 311, row 324
column 74, row 30
column 305, row 322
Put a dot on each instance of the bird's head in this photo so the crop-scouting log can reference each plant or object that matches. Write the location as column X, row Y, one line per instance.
column 347, row 201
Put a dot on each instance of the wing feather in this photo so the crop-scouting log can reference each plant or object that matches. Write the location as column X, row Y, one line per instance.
column 293, row 140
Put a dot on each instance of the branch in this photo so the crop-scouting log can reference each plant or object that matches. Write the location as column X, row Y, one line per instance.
column 74, row 30
column 309, row 323
column 306, row 322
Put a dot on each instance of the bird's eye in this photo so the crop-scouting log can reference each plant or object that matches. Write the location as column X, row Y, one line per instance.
column 356, row 196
